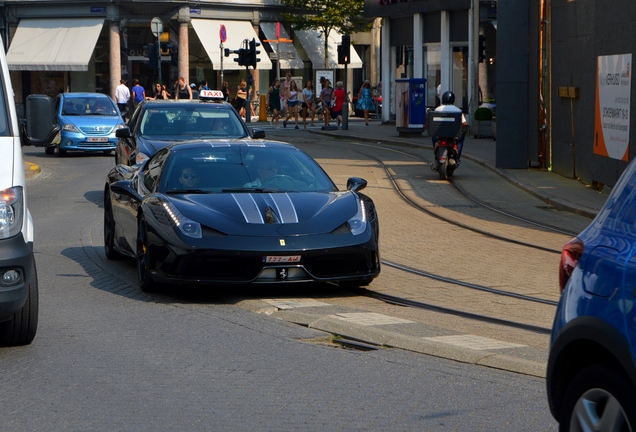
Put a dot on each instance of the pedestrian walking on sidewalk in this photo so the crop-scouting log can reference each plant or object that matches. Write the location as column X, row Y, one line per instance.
column 309, row 103
column 122, row 95
column 326, row 95
column 273, row 100
column 339, row 101
column 139, row 93
column 292, row 104
column 182, row 90
column 365, row 101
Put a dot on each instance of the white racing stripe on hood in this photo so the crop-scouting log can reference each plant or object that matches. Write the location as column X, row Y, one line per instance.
column 285, row 208
column 248, row 207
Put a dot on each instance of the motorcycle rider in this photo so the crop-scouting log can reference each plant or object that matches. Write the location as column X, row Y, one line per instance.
column 448, row 99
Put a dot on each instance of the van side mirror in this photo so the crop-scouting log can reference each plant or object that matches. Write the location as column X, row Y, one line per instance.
column 41, row 121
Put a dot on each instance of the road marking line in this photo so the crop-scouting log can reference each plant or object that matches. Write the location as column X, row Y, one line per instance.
column 474, row 342
column 294, row 303
column 369, row 318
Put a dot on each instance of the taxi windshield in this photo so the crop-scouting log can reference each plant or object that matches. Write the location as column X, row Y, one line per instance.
column 193, row 120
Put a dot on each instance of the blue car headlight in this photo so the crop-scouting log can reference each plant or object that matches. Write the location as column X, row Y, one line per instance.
column 358, row 223
column 70, row 128
column 11, row 212
column 183, row 224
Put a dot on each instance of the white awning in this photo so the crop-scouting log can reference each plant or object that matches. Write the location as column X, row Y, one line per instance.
column 54, row 44
column 236, row 32
column 314, row 44
column 289, row 57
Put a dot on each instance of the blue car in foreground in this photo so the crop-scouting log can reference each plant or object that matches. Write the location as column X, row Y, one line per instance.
column 591, row 376
column 87, row 122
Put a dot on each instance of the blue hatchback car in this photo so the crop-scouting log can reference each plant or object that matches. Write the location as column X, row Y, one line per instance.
column 591, row 376
column 87, row 121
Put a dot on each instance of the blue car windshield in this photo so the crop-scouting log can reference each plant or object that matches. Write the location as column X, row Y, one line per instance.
column 261, row 169
column 192, row 120
column 76, row 106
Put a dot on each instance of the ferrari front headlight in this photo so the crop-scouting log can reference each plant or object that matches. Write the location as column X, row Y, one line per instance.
column 358, row 223
column 183, row 224
column 11, row 212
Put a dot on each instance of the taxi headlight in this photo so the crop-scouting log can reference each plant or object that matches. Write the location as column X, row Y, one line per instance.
column 11, row 212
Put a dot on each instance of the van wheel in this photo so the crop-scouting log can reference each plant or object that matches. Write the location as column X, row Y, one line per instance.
column 49, row 150
column 21, row 328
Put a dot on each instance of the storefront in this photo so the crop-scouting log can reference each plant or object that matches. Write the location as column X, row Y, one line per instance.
column 433, row 40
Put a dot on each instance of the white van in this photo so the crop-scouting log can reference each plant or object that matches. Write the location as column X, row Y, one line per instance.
column 18, row 277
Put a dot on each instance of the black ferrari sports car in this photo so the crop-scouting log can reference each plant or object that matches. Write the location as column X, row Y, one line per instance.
column 243, row 212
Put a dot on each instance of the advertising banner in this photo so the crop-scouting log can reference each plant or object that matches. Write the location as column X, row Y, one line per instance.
column 613, row 93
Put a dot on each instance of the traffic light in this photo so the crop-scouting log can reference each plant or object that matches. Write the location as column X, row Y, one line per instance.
column 241, row 55
column 152, row 55
column 341, row 57
column 251, row 59
column 346, row 50
column 165, row 48
column 482, row 48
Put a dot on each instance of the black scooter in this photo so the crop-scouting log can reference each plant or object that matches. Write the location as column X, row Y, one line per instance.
column 445, row 127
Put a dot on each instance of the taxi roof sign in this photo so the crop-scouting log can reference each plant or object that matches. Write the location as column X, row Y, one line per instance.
column 211, row 94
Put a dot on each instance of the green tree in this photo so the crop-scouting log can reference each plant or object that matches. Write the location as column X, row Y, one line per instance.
column 344, row 16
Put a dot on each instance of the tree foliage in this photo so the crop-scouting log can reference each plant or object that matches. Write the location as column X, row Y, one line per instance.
column 344, row 16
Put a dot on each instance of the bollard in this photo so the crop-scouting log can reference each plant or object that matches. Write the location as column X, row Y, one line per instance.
column 262, row 114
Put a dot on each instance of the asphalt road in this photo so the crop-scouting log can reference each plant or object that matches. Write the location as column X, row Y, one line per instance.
column 109, row 357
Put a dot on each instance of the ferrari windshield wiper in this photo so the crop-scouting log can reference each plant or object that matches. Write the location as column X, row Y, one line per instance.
column 186, row 191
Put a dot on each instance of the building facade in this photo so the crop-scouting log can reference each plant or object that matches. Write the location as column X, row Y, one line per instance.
column 452, row 44
column 88, row 46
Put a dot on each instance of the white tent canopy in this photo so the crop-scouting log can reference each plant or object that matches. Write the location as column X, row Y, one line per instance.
column 314, row 44
column 54, row 44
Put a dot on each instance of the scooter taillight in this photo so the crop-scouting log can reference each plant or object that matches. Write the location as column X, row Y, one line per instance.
column 445, row 142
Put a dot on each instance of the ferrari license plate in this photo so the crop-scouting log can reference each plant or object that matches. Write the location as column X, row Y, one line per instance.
column 97, row 139
column 281, row 259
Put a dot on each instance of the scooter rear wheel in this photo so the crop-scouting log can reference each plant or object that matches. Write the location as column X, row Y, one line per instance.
column 443, row 170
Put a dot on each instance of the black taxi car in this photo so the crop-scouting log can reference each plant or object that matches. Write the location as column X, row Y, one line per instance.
column 158, row 123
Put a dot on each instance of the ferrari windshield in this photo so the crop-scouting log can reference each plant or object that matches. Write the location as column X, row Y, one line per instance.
column 188, row 120
column 236, row 169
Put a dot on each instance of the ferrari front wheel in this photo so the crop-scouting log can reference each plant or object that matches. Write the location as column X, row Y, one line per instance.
column 146, row 283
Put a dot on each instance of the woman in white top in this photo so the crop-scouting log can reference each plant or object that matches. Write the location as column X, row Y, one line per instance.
column 309, row 103
column 292, row 103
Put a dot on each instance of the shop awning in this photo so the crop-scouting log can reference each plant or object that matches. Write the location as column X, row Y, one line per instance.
column 289, row 57
column 314, row 44
column 54, row 44
column 236, row 31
